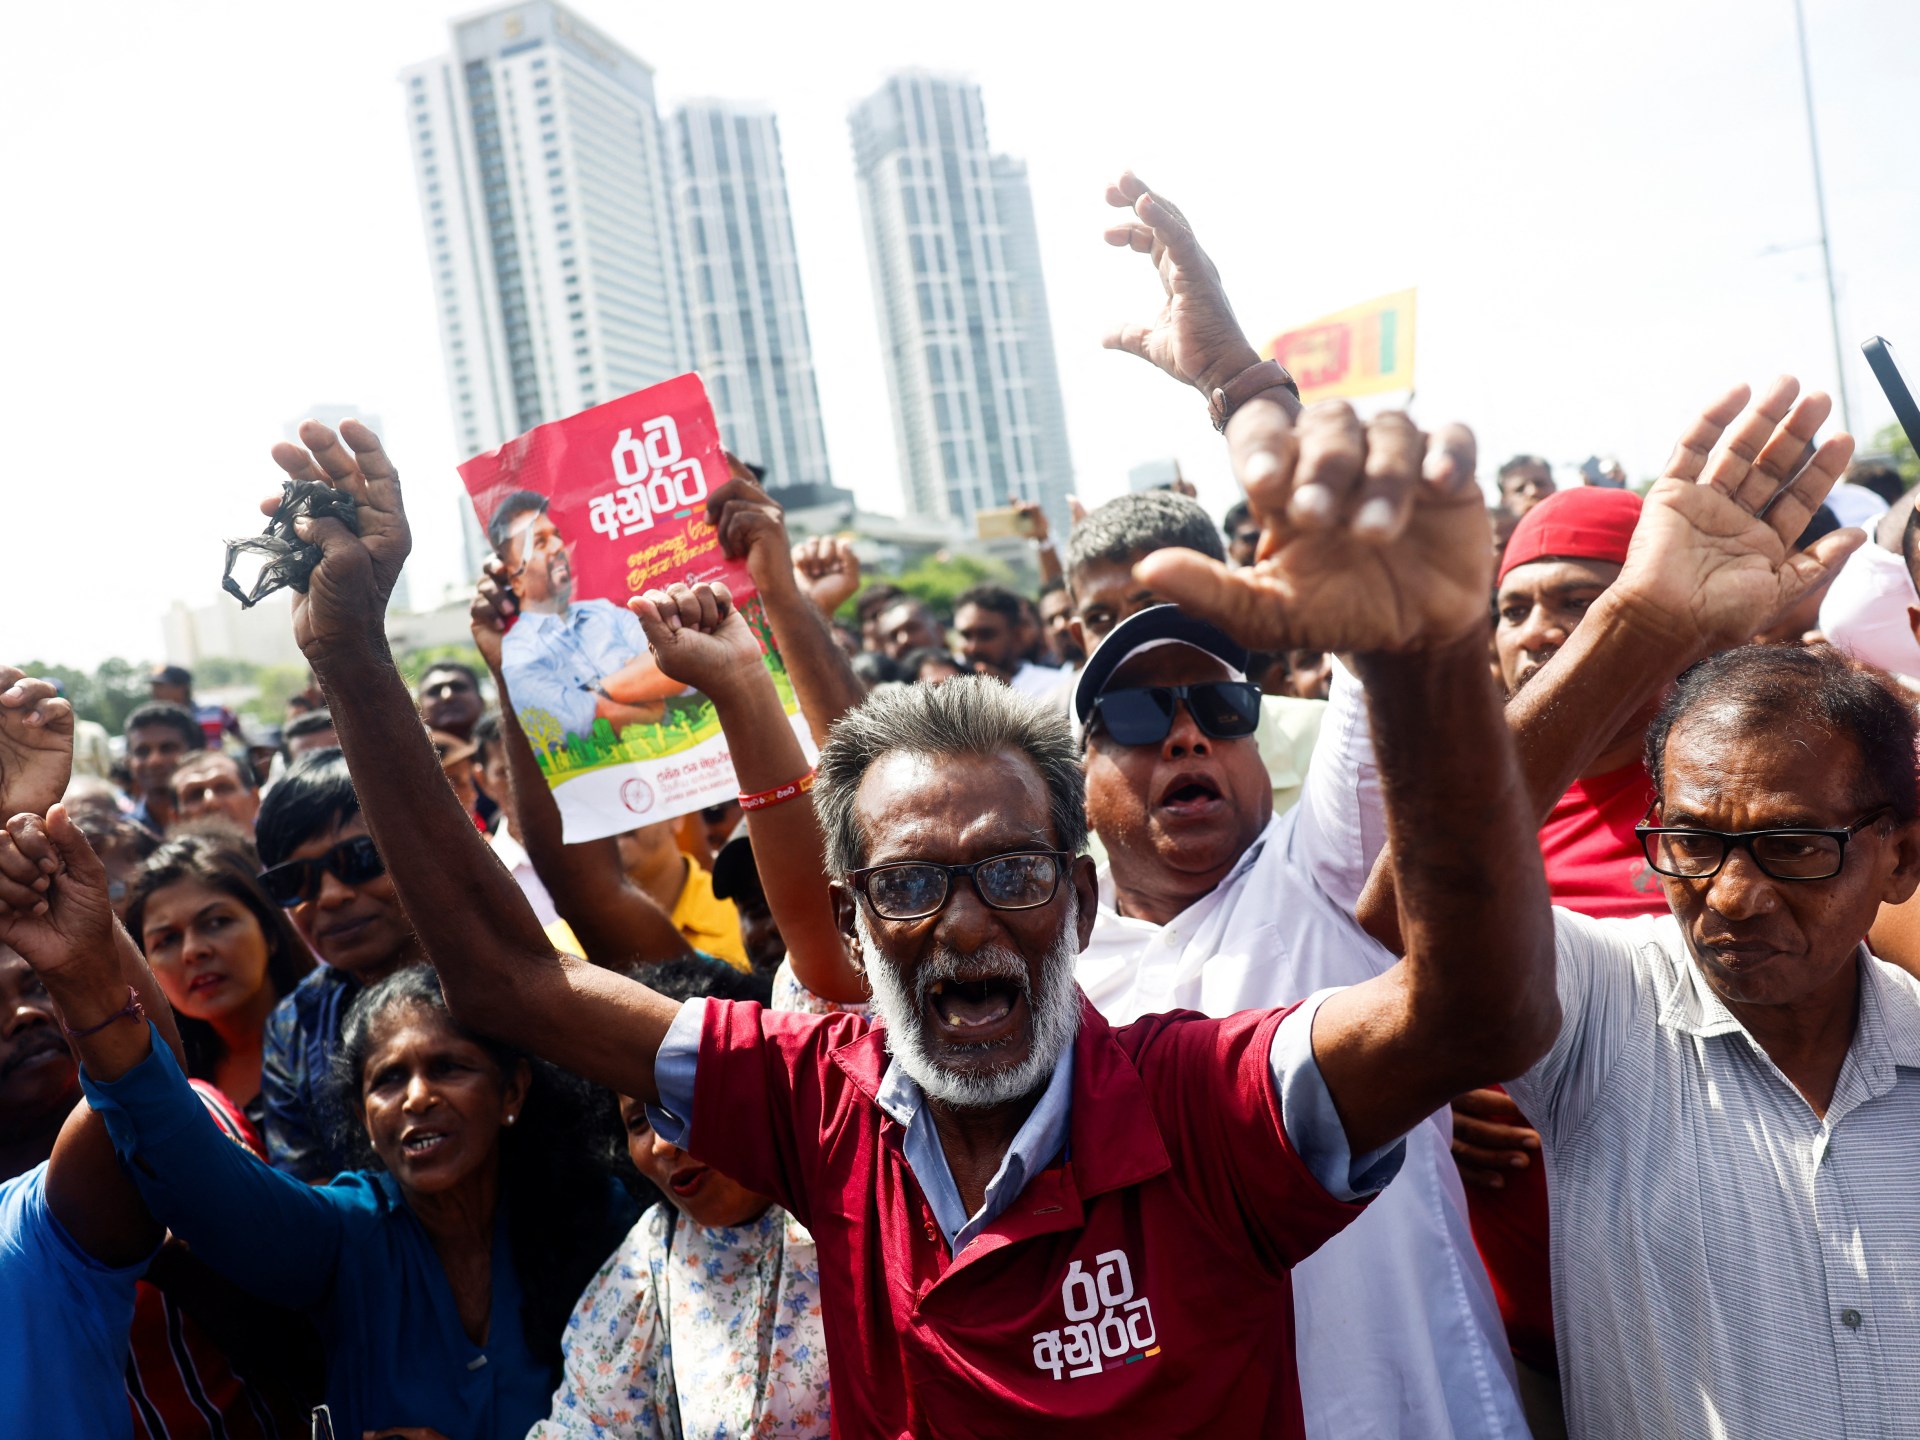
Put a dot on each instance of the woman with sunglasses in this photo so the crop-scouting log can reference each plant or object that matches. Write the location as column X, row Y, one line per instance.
column 224, row 953
column 323, row 870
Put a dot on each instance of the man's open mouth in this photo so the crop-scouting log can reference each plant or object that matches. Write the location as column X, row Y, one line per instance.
column 976, row 1010
column 1190, row 796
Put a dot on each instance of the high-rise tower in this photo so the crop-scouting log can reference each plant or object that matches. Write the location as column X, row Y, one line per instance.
column 742, row 280
column 544, row 185
column 977, row 413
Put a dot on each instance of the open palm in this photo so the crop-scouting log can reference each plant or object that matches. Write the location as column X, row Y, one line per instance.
column 1375, row 537
column 1195, row 337
column 346, row 597
column 1711, row 560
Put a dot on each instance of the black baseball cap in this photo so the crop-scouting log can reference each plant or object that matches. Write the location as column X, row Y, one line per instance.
column 1157, row 625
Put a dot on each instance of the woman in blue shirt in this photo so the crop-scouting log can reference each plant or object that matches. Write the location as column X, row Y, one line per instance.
column 441, row 1280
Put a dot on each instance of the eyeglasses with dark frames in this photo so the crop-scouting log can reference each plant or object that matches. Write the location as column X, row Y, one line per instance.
column 915, row 889
column 1687, row 852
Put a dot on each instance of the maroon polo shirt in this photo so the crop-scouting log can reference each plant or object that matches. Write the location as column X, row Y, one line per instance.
column 1139, row 1287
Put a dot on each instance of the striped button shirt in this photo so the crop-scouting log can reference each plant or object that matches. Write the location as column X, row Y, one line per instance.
column 1726, row 1262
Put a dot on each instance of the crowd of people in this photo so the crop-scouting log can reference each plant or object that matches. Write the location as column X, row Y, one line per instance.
column 1370, row 964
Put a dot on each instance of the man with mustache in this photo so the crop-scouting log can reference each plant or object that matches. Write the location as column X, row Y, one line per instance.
column 1025, row 1216
column 576, row 660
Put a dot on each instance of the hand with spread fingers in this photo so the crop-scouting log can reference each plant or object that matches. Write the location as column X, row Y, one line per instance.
column 1712, row 558
column 1195, row 337
column 36, row 744
column 698, row 637
column 1374, row 536
column 346, row 599
column 828, row 571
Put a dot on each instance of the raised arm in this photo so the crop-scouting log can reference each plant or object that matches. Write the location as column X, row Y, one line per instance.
column 54, row 911
column 700, row 637
column 498, row 971
column 616, row 922
column 754, row 528
column 1195, row 338
column 1705, row 571
column 1375, row 543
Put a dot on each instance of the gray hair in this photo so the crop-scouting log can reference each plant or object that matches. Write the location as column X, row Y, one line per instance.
column 968, row 715
column 1132, row 527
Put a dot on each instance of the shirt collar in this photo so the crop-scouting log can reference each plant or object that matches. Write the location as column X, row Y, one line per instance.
column 1887, row 1032
column 1040, row 1137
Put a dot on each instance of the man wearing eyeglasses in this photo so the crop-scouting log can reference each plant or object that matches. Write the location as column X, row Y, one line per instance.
column 322, row 865
column 1077, row 1227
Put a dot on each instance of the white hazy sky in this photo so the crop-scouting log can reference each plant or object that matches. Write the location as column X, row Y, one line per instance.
column 210, row 226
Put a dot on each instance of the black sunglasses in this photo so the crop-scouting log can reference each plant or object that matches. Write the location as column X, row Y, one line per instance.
column 352, row 862
column 1689, row 853
column 1143, row 714
column 915, row 889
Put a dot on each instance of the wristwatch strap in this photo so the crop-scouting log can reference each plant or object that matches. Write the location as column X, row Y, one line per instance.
column 1252, row 381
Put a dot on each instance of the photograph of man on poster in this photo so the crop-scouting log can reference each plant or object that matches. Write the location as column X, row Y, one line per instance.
column 578, row 660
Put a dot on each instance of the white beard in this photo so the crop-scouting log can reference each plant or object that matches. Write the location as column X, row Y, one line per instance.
column 1055, row 1017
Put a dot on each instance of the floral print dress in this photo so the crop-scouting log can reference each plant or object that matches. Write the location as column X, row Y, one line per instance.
column 690, row 1333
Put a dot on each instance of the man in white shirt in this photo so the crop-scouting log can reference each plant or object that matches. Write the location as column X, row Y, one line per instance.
column 1209, row 902
column 988, row 621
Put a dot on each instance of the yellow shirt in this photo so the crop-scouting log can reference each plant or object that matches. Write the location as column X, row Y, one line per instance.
column 708, row 922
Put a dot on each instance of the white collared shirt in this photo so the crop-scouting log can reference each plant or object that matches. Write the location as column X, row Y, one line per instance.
column 1398, row 1332
column 512, row 854
column 1725, row 1262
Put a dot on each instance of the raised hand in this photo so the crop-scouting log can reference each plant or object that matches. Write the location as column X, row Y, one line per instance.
column 492, row 611
column 346, row 599
column 828, row 571
column 1711, row 563
column 1195, row 337
column 697, row 636
column 752, row 527
column 1374, row 537
column 36, row 744
column 53, row 899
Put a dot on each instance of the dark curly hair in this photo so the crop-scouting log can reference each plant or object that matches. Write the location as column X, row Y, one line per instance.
column 226, row 864
column 564, row 1217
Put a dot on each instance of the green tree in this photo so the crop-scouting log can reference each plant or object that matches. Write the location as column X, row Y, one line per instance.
column 941, row 579
column 1893, row 443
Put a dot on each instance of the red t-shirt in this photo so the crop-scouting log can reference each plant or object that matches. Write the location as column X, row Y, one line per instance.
column 1594, row 865
column 1139, row 1287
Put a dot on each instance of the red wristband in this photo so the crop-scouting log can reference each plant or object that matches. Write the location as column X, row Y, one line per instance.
column 132, row 1010
column 779, row 795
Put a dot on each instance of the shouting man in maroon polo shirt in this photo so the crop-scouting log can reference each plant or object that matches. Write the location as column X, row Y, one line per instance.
column 1027, row 1218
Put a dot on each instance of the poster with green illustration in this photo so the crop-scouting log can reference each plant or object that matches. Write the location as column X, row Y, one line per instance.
column 585, row 513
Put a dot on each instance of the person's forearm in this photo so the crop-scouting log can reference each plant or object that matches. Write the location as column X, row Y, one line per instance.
column 1048, row 557
column 1473, row 904
column 822, row 676
column 788, row 849
column 1611, row 668
column 475, row 925
column 616, row 922
column 1609, row 671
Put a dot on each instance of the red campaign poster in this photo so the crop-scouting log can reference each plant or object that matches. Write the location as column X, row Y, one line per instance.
column 587, row 512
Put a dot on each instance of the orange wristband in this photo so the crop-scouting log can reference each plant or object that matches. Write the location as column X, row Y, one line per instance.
column 779, row 795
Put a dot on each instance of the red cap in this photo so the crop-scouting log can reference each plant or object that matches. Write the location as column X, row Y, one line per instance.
column 1590, row 522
